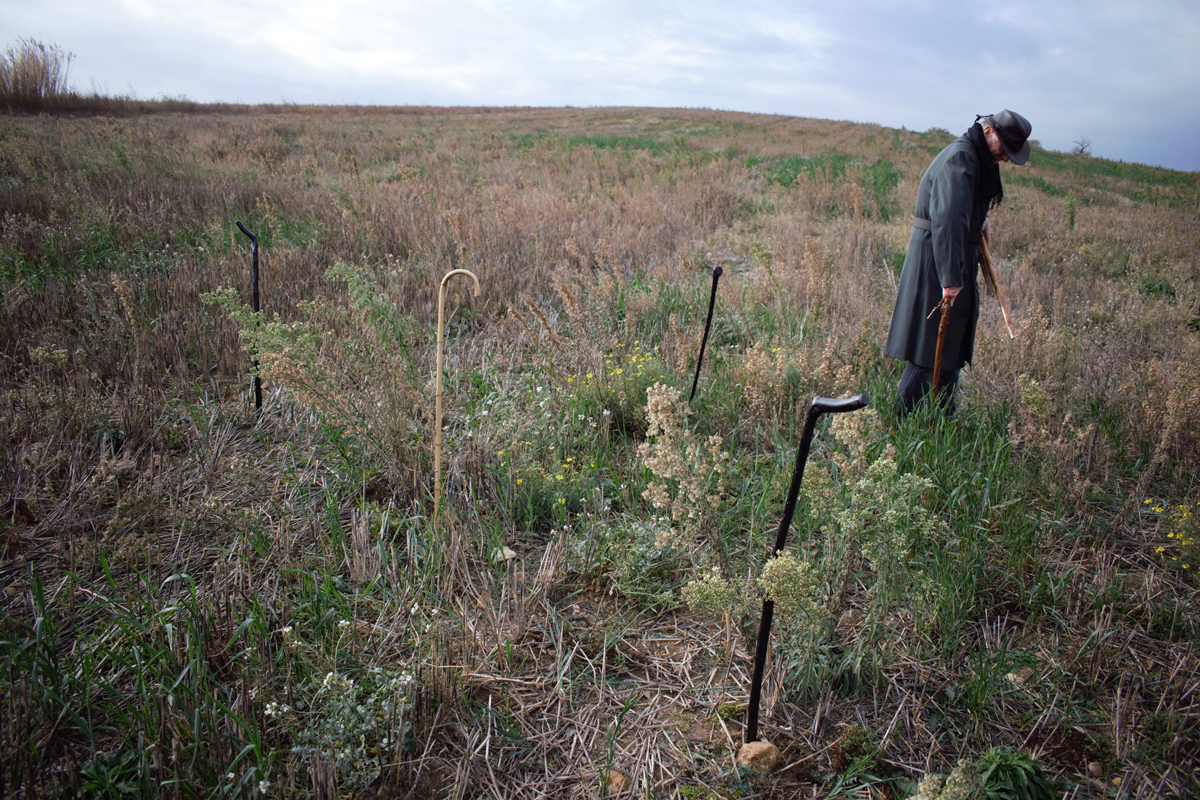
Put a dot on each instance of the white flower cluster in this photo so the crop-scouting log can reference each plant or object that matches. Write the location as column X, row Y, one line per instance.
column 688, row 474
column 289, row 636
column 274, row 709
column 900, row 537
column 889, row 512
column 264, row 785
column 791, row 586
column 355, row 722
column 713, row 594
column 857, row 433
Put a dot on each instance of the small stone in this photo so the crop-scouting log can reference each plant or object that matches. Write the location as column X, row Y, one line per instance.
column 504, row 554
column 1116, row 781
column 617, row 781
column 1021, row 676
column 1095, row 769
column 759, row 756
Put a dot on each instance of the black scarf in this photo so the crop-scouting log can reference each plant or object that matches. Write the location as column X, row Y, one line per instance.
column 987, row 177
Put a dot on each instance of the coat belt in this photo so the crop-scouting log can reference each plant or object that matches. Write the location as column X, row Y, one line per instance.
column 926, row 225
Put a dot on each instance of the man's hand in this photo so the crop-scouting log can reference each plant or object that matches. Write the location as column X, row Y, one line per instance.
column 950, row 292
column 987, row 231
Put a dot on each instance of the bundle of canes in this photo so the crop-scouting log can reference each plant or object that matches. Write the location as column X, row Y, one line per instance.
column 988, row 267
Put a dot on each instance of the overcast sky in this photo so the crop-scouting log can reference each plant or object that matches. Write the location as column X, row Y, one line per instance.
column 1124, row 74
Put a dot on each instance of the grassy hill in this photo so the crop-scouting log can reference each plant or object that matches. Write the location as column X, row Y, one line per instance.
column 204, row 601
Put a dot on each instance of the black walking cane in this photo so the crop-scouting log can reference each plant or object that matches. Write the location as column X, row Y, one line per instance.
column 254, row 305
column 712, row 301
column 819, row 406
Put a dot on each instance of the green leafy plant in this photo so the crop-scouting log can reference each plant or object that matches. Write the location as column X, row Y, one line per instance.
column 355, row 365
column 359, row 724
column 112, row 775
column 1006, row 774
column 641, row 560
column 856, row 761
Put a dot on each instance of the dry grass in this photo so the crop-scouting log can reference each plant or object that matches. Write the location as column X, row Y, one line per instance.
column 33, row 76
column 129, row 440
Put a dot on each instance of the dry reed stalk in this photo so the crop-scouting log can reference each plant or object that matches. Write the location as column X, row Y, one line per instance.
column 364, row 561
column 34, row 76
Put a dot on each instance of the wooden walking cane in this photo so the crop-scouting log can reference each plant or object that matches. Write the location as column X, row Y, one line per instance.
column 989, row 277
column 437, row 422
column 943, row 323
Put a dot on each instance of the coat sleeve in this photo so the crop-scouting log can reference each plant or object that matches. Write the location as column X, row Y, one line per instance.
column 951, row 193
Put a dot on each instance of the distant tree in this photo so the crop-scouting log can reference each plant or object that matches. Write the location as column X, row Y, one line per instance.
column 1083, row 146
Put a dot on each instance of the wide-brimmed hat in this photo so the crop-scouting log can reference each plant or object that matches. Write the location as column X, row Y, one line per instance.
column 1013, row 130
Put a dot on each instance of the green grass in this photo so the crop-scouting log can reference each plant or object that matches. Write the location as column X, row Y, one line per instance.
column 608, row 142
column 828, row 166
column 1140, row 182
column 195, row 586
column 879, row 180
column 1041, row 184
column 597, row 141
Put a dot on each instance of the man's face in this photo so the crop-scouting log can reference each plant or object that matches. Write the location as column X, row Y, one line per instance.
column 993, row 140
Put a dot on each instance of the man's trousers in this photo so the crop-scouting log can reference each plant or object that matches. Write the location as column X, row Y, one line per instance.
column 916, row 382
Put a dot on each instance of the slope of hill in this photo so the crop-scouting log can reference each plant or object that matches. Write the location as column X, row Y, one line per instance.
column 200, row 599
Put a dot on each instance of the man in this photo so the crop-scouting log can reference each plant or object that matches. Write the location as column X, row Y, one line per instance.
column 953, row 199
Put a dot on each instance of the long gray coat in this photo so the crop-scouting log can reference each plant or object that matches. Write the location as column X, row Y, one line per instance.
column 946, row 255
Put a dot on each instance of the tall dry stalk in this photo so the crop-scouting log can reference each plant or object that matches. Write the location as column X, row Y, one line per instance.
column 33, row 75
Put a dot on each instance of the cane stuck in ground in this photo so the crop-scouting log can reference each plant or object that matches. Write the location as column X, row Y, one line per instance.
column 437, row 422
column 712, row 301
column 254, row 306
column 819, row 406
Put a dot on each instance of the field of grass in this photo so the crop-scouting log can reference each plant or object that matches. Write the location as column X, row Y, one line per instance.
column 202, row 601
